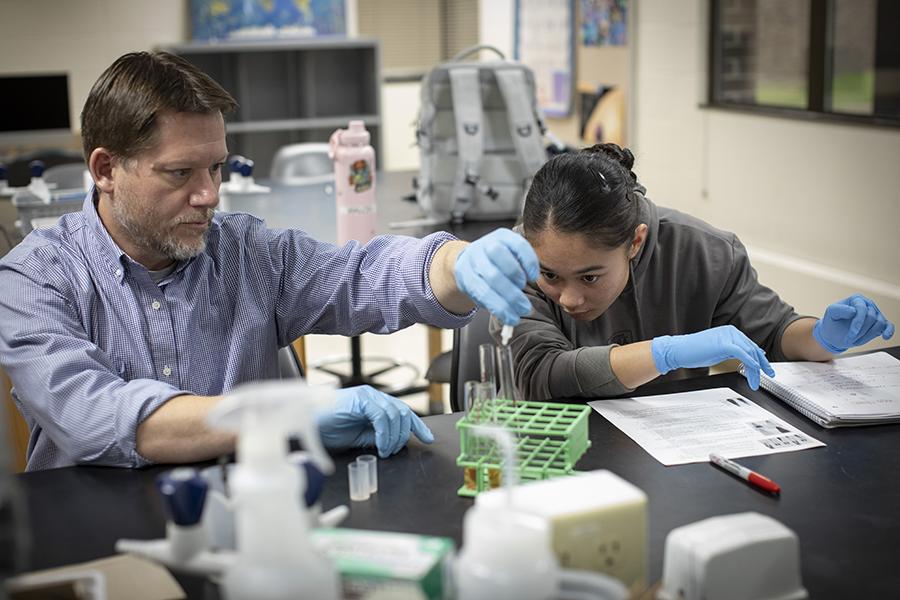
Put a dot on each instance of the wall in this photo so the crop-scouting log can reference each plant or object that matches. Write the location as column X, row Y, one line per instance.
column 815, row 203
column 82, row 38
column 606, row 65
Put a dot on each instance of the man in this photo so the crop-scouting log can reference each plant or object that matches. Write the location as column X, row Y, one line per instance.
column 124, row 324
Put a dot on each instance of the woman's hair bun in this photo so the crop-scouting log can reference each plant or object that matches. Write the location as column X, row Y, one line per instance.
column 623, row 156
column 614, row 152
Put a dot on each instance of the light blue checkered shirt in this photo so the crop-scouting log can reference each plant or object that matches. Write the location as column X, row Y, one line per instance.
column 93, row 346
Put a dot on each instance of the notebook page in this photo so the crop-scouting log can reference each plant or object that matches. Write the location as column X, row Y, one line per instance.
column 867, row 385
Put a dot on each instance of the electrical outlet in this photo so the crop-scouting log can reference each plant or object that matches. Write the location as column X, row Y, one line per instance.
column 598, row 522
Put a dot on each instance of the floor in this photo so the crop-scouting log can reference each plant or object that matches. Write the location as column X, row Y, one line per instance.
column 409, row 346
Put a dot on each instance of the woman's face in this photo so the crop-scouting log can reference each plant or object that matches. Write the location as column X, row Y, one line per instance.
column 582, row 278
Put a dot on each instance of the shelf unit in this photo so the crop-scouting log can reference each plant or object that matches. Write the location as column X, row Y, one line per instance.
column 292, row 91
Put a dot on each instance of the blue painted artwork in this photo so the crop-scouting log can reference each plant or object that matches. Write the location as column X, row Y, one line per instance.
column 604, row 22
column 260, row 19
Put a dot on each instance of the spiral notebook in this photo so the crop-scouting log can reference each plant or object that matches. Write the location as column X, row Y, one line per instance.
column 856, row 390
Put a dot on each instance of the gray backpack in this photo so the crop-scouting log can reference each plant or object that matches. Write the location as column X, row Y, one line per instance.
column 480, row 139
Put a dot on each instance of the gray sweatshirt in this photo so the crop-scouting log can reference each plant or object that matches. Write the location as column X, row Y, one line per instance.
column 688, row 277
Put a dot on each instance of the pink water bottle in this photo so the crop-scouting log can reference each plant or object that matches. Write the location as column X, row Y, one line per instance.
column 354, row 182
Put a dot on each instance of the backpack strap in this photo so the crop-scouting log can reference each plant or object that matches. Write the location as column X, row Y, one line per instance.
column 524, row 121
column 467, row 112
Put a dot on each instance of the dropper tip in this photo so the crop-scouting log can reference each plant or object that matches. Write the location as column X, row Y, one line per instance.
column 505, row 334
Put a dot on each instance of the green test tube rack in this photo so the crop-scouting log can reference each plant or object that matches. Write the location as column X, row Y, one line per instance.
column 550, row 438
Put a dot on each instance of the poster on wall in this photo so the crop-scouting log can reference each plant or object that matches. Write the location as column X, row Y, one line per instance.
column 545, row 41
column 217, row 20
column 604, row 22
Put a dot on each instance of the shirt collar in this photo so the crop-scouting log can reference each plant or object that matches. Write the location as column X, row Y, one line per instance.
column 114, row 258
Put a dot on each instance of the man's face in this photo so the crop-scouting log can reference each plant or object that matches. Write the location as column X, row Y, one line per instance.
column 163, row 199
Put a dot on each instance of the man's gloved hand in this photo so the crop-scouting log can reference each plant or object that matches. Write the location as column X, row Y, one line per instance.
column 493, row 269
column 851, row 322
column 710, row 347
column 364, row 417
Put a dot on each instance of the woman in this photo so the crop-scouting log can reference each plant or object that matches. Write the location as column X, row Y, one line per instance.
column 629, row 291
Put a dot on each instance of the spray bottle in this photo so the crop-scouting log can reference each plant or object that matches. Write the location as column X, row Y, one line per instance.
column 354, row 178
column 506, row 553
column 275, row 558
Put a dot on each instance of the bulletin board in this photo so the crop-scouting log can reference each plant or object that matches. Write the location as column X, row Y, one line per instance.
column 545, row 41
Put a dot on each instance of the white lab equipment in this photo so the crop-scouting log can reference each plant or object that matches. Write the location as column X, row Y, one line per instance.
column 597, row 522
column 37, row 186
column 371, row 461
column 241, row 188
column 218, row 512
column 744, row 556
column 275, row 557
column 358, row 480
column 506, row 552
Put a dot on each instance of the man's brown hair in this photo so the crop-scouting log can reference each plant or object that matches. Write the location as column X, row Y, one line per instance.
column 121, row 110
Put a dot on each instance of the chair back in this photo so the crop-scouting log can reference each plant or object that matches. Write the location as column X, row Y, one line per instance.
column 289, row 366
column 465, row 365
column 300, row 164
column 67, row 176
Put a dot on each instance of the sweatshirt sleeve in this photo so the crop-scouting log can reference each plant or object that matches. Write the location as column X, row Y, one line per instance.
column 752, row 307
column 548, row 366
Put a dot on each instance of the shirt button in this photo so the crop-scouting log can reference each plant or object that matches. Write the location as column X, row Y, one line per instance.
column 155, row 304
column 118, row 272
column 167, row 371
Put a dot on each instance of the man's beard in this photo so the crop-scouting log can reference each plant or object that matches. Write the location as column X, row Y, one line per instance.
column 148, row 232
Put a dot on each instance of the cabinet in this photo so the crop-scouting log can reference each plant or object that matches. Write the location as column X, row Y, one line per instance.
column 292, row 91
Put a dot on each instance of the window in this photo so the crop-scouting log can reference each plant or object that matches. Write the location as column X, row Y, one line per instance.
column 838, row 59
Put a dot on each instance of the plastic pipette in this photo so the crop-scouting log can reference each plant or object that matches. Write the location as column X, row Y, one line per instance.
column 505, row 334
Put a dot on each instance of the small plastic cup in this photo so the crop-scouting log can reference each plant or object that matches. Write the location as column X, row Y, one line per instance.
column 371, row 461
column 358, row 474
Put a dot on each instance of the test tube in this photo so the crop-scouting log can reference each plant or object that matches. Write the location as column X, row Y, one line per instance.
column 486, row 361
column 358, row 474
column 479, row 398
column 507, row 389
column 371, row 461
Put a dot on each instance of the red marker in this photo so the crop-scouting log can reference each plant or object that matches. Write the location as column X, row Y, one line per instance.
column 754, row 478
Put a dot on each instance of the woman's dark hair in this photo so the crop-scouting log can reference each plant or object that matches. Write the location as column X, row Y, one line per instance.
column 122, row 107
column 590, row 192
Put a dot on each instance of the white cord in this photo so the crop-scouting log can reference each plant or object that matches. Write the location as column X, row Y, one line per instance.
column 575, row 585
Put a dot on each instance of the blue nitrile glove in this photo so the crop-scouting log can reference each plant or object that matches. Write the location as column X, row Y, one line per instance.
column 493, row 269
column 710, row 347
column 851, row 322
column 363, row 417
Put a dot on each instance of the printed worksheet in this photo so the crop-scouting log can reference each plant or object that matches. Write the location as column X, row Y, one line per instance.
column 676, row 429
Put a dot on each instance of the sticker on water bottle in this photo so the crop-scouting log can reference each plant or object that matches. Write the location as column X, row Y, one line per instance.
column 360, row 175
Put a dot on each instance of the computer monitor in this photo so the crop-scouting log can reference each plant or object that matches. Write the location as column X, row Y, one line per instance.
column 32, row 103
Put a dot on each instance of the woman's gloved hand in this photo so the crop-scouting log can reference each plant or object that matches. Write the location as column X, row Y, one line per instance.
column 710, row 347
column 364, row 417
column 494, row 269
column 851, row 322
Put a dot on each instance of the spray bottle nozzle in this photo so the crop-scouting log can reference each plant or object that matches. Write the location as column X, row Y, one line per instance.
column 265, row 414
